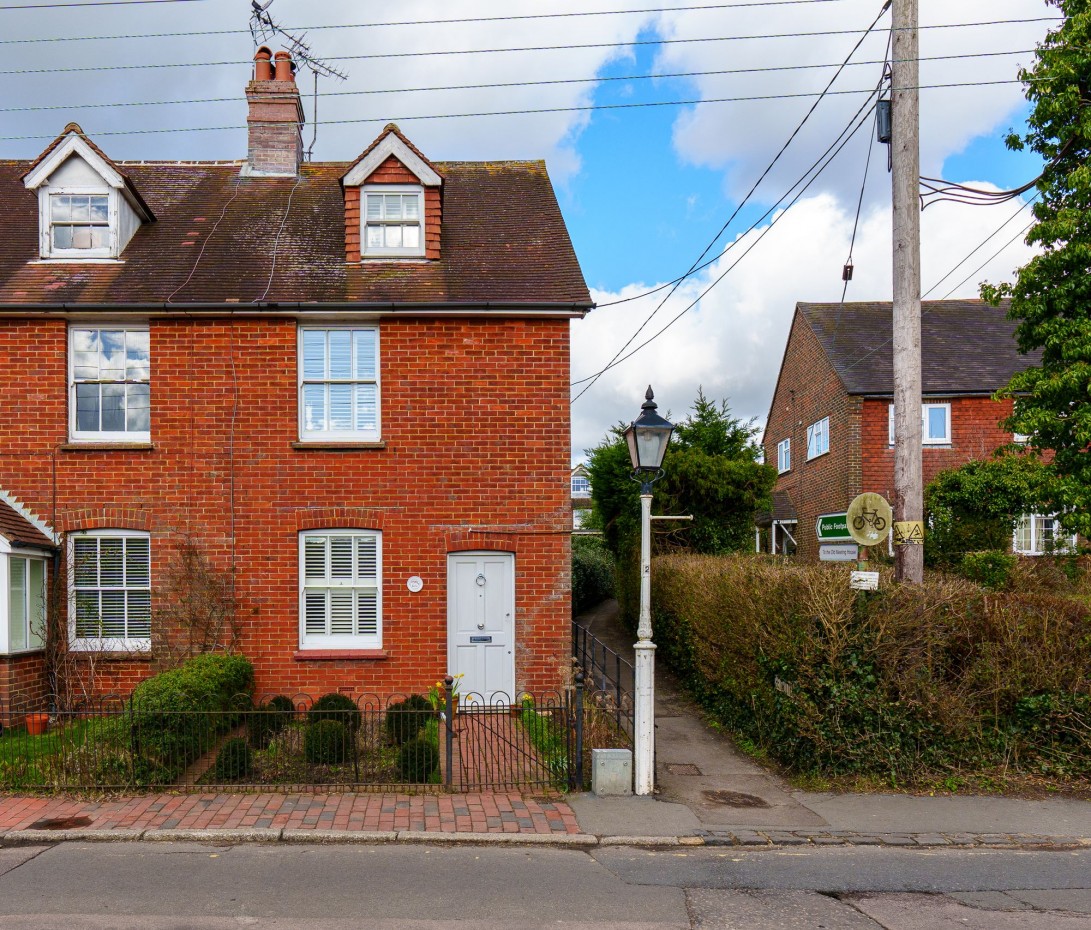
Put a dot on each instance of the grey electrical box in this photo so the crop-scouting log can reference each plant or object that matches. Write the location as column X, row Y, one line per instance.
column 611, row 772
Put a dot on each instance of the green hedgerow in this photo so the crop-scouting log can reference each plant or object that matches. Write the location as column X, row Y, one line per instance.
column 405, row 719
column 326, row 742
column 334, row 706
column 233, row 762
column 417, row 760
column 991, row 569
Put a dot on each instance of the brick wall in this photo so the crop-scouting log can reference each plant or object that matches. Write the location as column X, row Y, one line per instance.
column 975, row 434
column 393, row 171
column 22, row 686
column 808, row 390
column 465, row 466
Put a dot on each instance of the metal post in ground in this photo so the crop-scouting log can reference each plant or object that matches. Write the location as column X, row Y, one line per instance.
column 644, row 742
column 448, row 685
column 578, row 786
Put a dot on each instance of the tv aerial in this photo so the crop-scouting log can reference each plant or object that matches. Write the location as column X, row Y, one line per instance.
column 265, row 29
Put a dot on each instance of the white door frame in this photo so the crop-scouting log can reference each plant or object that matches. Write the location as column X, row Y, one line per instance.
column 452, row 557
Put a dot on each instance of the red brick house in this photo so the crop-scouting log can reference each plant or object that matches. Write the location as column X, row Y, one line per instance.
column 830, row 432
column 330, row 377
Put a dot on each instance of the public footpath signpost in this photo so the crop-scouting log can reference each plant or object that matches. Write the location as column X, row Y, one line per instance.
column 835, row 543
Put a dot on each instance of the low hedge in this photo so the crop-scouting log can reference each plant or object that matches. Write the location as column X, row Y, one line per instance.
column 909, row 683
column 177, row 714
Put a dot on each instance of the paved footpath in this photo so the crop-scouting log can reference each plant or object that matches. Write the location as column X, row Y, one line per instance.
column 23, row 818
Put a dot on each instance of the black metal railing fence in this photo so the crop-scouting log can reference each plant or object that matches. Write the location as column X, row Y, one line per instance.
column 364, row 742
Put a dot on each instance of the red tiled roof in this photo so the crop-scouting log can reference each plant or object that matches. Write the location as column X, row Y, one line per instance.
column 20, row 531
column 967, row 346
column 503, row 241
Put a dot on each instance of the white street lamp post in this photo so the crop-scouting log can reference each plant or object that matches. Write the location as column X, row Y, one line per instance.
column 647, row 437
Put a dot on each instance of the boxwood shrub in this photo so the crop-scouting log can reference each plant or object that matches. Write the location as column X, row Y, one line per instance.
column 177, row 715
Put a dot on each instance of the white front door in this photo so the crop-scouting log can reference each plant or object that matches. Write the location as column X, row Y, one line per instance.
column 481, row 624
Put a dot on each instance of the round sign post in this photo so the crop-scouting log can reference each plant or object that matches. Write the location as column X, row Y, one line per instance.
column 869, row 519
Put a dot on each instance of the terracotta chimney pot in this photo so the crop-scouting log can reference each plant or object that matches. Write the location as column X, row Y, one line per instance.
column 284, row 67
column 263, row 68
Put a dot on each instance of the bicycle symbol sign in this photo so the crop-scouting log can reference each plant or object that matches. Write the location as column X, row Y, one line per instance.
column 869, row 518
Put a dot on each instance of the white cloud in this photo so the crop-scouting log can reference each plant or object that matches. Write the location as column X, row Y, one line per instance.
column 731, row 343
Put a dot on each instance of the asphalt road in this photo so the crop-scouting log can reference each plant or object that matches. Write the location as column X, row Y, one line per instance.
column 189, row 886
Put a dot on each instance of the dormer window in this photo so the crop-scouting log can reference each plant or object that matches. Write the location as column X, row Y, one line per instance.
column 393, row 220
column 87, row 209
column 80, row 223
column 393, row 204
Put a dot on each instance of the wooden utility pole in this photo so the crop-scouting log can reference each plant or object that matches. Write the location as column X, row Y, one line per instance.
column 905, row 182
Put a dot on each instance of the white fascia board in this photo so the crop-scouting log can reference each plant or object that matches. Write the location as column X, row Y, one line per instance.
column 73, row 145
column 32, row 518
column 392, row 145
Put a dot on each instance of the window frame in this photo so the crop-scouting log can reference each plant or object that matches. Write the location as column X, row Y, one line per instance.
column 7, row 556
column 812, row 433
column 925, row 407
column 347, row 642
column 45, row 216
column 77, row 435
column 1061, row 543
column 384, row 252
column 330, row 435
column 784, row 456
column 126, row 643
column 585, row 488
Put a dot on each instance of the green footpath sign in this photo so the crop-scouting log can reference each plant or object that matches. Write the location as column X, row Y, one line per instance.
column 832, row 526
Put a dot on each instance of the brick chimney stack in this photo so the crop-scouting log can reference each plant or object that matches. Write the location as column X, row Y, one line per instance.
column 275, row 120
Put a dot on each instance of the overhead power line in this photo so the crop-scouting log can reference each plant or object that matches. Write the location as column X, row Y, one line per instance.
column 742, row 203
column 527, row 112
column 60, row 6
column 377, row 56
column 503, row 85
column 924, row 312
column 750, row 246
column 408, row 22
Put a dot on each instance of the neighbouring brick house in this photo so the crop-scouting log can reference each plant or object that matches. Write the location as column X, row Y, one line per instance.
column 331, row 377
column 830, row 425
column 581, row 495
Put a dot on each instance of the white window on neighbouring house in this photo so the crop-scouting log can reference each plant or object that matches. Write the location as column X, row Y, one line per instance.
column 25, row 604
column 109, row 377
column 340, row 589
column 818, row 438
column 1037, row 534
column 393, row 217
column 784, row 455
column 339, row 383
column 935, row 424
column 581, row 486
column 110, row 606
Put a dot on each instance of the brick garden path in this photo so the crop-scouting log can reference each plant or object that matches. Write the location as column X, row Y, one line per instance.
column 484, row 812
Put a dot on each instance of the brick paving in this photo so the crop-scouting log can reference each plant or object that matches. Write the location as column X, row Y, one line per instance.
column 483, row 812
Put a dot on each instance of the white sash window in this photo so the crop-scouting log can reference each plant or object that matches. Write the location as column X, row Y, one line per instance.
column 340, row 591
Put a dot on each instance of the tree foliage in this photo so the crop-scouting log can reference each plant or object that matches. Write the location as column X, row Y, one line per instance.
column 1051, row 298
column 711, row 471
column 975, row 507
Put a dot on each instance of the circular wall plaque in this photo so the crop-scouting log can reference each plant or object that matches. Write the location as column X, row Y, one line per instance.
column 414, row 583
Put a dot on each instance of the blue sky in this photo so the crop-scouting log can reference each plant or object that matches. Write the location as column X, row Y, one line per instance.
column 643, row 189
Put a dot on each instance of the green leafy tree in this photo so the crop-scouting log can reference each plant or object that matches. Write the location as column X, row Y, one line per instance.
column 975, row 507
column 711, row 471
column 1051, row 299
